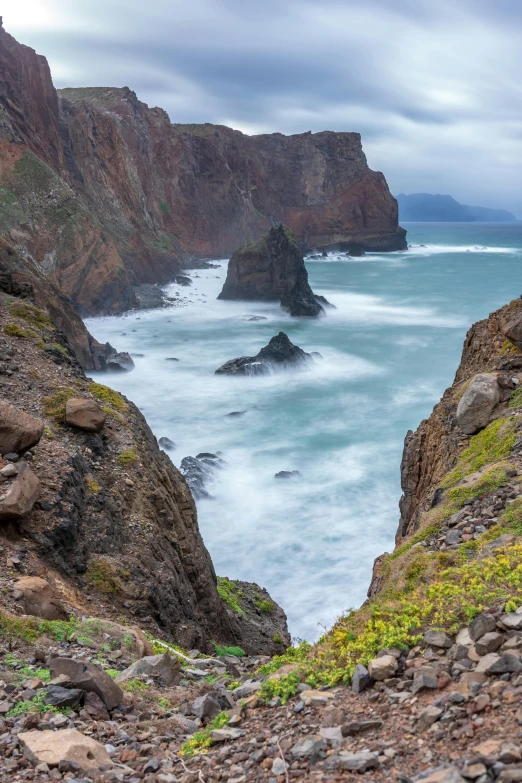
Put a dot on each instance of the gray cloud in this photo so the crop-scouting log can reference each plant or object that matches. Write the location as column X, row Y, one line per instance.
column 433, row 87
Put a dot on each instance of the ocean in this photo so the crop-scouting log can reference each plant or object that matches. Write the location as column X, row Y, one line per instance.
column 389, row 349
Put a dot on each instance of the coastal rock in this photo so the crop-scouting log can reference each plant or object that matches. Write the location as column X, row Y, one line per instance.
column 165, row 667
column 280, row 353
column 52, row 747
column 120, row 362
column 19, row 431
column 88, row 677
column 166, row 443
column 272, row 270
column 478, row 402
column 36, row 597
column 85, row 414
column 199, row 471
column 19, row 499
column 513, row 331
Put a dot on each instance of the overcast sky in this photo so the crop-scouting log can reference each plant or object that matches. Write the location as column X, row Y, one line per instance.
column 433, row 86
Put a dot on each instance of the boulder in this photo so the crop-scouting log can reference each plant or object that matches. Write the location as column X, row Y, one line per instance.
column 56, row 696
column 428, row 716
column 167, row 669
column 198, row 471
column 94, row 706
column 36, row 598
column 489, row 643
column 437, row 639
column 513, row 330
column 85, row 414
column 477, row 403
column 52, row 747
column 272, row 270
column 440, row 775
column 88, row 677
column 361, row 679
column 120, row 362
column 481, row 625
column 206, row 707
column 166, row 443
column 19, row 431
column 279, row 354
column 382, row 668
column 20, row 497
column 308, row 747
column 359, row 762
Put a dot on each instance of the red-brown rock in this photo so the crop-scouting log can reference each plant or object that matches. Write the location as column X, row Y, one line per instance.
column 85, row 414
column 19, row 498
column 19, row 431
column 37, row 598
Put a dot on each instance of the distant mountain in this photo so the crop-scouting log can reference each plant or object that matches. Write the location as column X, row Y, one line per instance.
column 429, row 207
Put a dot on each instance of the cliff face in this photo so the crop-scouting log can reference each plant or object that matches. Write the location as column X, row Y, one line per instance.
column 134, row 197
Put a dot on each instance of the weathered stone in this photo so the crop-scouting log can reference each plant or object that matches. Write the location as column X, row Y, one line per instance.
column 358, row 727
column 279, row 766
column 88, row 677
column 513, row 330
column 308, row 747
column 481, row 625
column 477, row 403
column 120, row 362
column 63, row 697
column 247, row 689
column 359, row 762
column 440, row 775
column 222, row 735
column 95, row 707
column 508, row 662
column 19, row 431
column 166, row 667
column 315, row 698
column 206, row 707
column 361, row 679
column 382, row 668
column 428, row 716
column 437, row 639
column 85, row 414
column 36, row 597
column 51, row 747
column 485, row 662
column 489, row 643
column 423, row 682
column 512, row 622
column 21, row 496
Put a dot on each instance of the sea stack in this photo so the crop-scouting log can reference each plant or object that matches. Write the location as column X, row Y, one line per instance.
column 272, row 270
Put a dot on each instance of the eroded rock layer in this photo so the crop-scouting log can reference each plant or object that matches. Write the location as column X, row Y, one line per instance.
column 122, row 196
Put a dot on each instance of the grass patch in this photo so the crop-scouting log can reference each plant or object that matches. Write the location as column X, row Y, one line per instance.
column 13, row 330
column 101, row 577
column 298, row 654
column 135, row 686
column 31, row 314
column 230, row 593
column 200, row 742
column 128, row 456
column 508, row 348
column 223, row 650
column 164, row 206
column 114, row 414
column 54, row 406
column 36, row 706
column 107, row 395
column 515, row 398
column 284, row 687
column 492, row 444
column 265, row 606
column 92, row 486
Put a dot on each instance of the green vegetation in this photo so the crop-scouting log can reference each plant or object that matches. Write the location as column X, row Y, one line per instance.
column 108, row 396
column 265, row 606
column 453, row 598
column 135, row 686
column 59, row 348
column 54, row 406
column 28, row 312
column 36, row 706
column 164, row 206
column 13, row 330
column 128, row 456
column 101, row 577
column 26, row 673
column 508, row 348
column 284, row 687
column 113, row 414
column 298, row 654
column 223, row 650
column 277, row 639
column 200, row 742
column 515, row 399
column 230, row 593
column 491, row 444
column 92, row 485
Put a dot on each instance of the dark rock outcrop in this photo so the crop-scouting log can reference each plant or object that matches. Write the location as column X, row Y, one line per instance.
column 280, row 353
column 198, row 471
column 272, row 270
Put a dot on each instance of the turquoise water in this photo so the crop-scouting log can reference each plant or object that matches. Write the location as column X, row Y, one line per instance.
column 390, row 349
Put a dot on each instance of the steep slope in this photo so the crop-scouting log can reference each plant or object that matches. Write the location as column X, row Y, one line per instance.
column 134, row 197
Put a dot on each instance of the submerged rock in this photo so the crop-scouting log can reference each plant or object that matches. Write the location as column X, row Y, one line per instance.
column 198, row 471
column 270, row 270
column 120, row 362
column 287, row 474
column 166, row 443
column 280, row 353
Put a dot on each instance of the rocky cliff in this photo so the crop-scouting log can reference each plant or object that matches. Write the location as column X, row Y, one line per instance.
column 103, row 192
